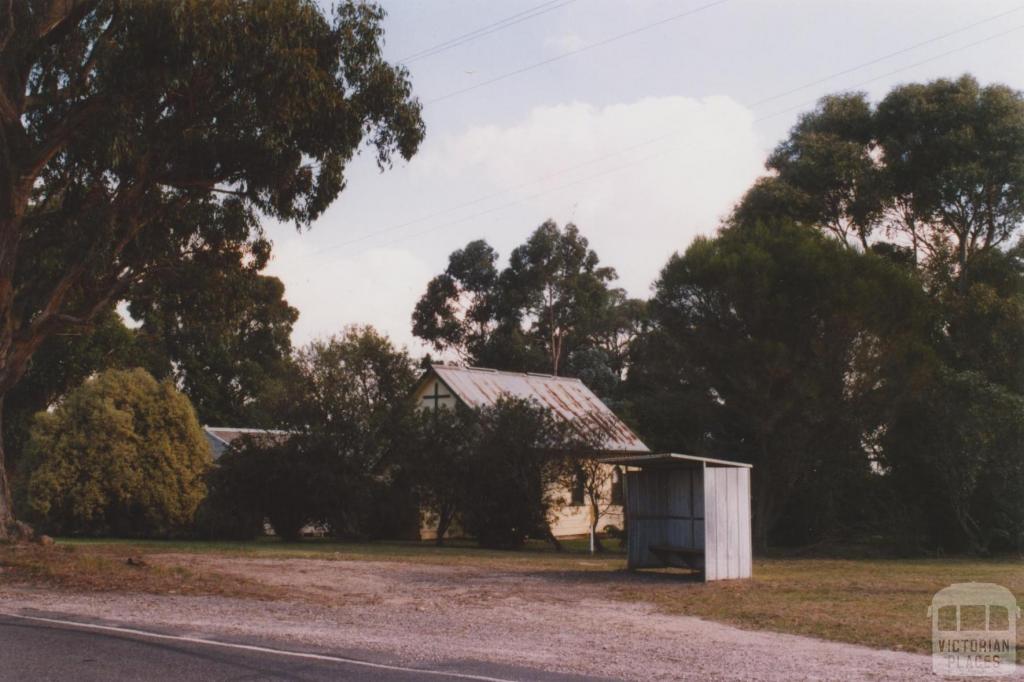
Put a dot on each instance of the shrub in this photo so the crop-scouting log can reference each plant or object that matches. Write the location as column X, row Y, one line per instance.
column 282, row 481
column 505, row 483
column 123, row 455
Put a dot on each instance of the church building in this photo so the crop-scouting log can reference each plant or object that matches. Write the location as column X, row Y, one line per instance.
column 568, row 399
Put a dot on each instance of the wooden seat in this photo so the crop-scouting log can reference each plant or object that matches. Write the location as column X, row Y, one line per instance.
column 690, row 556
column 676, row 549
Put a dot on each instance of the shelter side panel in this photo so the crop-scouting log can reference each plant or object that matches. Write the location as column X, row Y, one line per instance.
column 727, row 523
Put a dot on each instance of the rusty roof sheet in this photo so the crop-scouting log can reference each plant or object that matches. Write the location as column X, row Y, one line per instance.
column 568, row 398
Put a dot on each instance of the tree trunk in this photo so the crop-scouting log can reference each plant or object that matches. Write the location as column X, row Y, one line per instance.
column 10, row 528
column 598, row 545
column 764, row 513
column 551, row 538
column 444, row 520
column 595, row 518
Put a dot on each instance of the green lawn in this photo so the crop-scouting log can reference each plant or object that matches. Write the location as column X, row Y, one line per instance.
column 535, row 554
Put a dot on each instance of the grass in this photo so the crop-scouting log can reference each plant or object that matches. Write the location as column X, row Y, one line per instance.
column 876, row 602
column 103, row 568
column 535, row 555
column 880, row 603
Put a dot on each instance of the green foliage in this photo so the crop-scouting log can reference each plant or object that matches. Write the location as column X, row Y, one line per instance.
column 234, row 507
column 506, row 479
column 283, row 479
column 62, row 363
column 985, row 318
column 768, row 347
column 216, row 326
column 353, row 400
column 956, row 454
column 491, row 470
column 347, row 408
column 353, row 383
column 142, row 135
column 441, row 445
column 221, row 329
column 121, row 455
column 935, row 167
column 931, row 180
column 552, row 305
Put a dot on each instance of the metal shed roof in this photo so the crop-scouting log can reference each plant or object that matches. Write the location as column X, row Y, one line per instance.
column 669, row 458
column 568, row 398
column 220, row 437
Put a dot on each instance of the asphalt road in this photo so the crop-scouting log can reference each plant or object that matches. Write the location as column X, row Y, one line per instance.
column 38, row 650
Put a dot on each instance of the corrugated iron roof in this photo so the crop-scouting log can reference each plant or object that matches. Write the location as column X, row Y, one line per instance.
column 668, row 459
column 568, row 398
column 220, row 437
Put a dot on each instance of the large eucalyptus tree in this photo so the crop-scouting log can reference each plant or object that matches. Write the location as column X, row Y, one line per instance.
column 134, row 134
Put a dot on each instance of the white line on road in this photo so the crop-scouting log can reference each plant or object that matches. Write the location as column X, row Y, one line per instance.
column 260, row 649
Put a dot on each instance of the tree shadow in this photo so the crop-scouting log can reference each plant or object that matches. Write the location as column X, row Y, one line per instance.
column 622, row 577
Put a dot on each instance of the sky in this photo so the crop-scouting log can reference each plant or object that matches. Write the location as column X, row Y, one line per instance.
column 642, row 137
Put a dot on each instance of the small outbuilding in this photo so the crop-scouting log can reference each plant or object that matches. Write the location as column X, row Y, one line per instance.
column 683, row 510
column 219, row 438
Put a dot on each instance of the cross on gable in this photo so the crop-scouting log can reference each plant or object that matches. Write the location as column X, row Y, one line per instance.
column 437, row 396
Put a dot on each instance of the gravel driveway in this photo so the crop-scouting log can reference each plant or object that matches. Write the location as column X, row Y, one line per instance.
column 417, row 612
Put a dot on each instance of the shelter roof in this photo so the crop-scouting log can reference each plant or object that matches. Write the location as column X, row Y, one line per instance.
column 670, row 459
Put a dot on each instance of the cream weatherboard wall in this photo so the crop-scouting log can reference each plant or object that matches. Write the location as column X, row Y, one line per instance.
column 433, row 394
column 569, row 520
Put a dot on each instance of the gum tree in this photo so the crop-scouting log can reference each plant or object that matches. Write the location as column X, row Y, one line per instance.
column 133, row 134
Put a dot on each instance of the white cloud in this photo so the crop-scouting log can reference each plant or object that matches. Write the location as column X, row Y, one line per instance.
column 378, row 287
column 636, row 211
column 636, row 207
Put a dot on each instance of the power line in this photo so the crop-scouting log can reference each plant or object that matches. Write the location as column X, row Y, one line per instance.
column 499, row 25
column 883, row 58
column 492, row 195
column 663, row 137
column 571, row 53
column 902, row 69
column 669, row 135
column 663, row 152
column 522, row 200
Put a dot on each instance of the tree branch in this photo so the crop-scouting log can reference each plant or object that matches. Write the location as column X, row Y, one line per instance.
column 60, row 17
column 57, row 140
column 80, row 80
column 8, row 27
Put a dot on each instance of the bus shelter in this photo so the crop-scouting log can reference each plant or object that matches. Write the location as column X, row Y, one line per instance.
column 684, row 510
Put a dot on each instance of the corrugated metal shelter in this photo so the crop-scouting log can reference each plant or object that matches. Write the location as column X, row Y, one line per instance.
column 688, row 510
column 570, row 399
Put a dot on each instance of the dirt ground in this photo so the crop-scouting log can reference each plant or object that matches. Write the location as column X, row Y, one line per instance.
column 435, row 612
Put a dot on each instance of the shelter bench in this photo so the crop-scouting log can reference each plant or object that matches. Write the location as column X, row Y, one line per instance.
column 694, row 558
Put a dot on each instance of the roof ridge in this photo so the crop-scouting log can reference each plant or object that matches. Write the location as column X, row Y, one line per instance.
column 490, row 370
column 242, row 429
column 483, row 386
